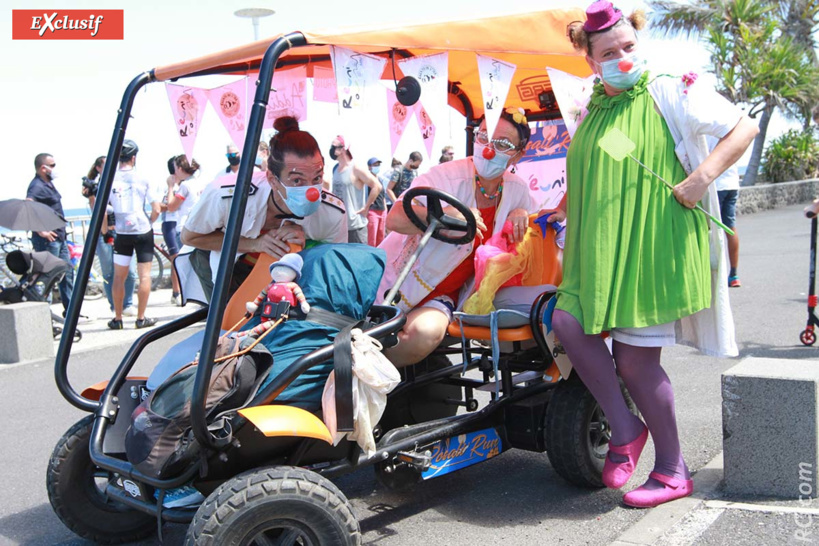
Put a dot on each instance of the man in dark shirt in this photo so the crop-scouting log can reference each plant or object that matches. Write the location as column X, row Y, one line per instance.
column 403, row 177
column 377, row 215
column 42, row 190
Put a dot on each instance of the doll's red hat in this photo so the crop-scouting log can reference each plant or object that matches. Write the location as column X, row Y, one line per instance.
column 601, row 15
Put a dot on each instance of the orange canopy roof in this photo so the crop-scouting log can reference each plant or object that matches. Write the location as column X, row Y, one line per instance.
column 530, row 41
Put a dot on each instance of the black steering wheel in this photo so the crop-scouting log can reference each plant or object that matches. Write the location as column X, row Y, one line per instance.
column 436, row 211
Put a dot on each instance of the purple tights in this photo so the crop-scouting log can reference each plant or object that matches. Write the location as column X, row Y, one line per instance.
column 646, row 381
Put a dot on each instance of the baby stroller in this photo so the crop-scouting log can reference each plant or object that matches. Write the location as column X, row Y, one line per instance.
column 39, row 273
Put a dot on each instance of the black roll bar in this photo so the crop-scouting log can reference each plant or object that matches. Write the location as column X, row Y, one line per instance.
column 81, row 278
column 230, row 243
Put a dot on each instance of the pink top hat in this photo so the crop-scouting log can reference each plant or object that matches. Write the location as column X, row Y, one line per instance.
column 601, row 15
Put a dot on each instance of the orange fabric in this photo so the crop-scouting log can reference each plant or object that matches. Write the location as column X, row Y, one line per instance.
column 543, row 265
column 531, row 41
column 537, row 260
column 521, row 333
column 452, row 284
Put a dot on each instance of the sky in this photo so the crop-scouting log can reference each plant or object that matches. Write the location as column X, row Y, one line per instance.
column 61, row 97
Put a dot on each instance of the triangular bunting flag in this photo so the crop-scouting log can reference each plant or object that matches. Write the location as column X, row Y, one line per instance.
column 426, row 126
column 496, row 77
column 188, row 107
column 356, row 75
column 288, row 95
column 230, row 104
column 398, row 116
column 431, row 71
column 572, row 94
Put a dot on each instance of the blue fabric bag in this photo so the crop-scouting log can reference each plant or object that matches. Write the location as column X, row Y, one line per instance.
column 342, row 278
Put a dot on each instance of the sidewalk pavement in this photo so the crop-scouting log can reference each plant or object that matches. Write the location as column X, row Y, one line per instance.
column 95, row 332
column 713, row 517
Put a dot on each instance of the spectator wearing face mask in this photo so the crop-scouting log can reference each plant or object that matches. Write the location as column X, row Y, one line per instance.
column 42, row 189
column 234, row 158
column 261, row 155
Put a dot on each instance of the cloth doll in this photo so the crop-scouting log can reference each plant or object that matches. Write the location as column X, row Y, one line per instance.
column 284, row 273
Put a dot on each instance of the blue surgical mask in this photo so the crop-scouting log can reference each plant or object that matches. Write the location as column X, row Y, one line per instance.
column 489, row 168
column 302, row 200
column 375, row 170
column 613, row 74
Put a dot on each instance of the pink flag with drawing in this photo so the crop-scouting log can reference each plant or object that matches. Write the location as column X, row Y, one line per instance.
column 496, row 77
column 426, row 126
column 188, row 106
column 288, row 96
column 324, row 85
column 398, row 116
column 230, row 104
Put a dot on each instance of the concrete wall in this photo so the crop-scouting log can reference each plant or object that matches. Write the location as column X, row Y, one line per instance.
column 770, row 196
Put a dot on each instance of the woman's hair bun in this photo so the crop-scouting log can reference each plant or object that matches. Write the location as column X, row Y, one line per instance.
column 285, row 124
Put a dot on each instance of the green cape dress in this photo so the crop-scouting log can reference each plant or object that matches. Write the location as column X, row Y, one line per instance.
column 634, row 256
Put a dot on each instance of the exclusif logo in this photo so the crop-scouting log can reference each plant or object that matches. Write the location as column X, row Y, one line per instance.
column 71, row 24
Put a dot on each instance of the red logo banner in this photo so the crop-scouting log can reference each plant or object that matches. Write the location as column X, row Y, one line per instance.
column 70, row 24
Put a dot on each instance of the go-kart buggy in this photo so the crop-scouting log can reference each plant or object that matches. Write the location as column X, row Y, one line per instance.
column 263, row 467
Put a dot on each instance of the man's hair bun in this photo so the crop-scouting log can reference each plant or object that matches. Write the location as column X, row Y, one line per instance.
column 285, row 124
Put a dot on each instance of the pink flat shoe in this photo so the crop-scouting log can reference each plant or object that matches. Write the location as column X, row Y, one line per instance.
column 675, row 488
column 615, row 475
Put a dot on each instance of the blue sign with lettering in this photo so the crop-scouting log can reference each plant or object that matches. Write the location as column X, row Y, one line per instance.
column 549, row 140
column 461, row 451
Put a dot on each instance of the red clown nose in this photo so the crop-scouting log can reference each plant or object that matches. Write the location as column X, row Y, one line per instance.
column 625, row 66
column 488, row 153
column 313, row 195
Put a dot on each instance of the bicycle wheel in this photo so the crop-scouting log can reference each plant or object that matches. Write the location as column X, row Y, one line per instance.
column 157, row 271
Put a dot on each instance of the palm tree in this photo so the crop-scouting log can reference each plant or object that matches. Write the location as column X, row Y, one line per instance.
column 776, row 75
column 752, row 60
column 675, row 18
column 800, row 19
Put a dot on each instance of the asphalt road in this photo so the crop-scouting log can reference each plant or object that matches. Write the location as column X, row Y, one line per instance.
column 516, row 498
